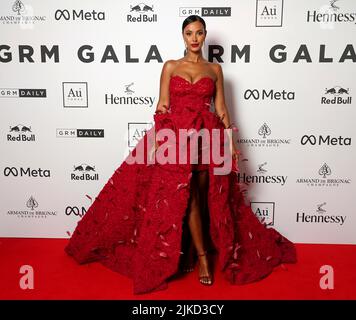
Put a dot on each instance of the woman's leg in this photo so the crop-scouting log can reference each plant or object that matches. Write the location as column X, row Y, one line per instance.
column 199, row 185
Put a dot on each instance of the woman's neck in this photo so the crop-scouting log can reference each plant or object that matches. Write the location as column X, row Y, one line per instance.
column 194, row 57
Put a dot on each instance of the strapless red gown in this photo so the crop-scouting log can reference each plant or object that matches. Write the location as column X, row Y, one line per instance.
column 134, row 225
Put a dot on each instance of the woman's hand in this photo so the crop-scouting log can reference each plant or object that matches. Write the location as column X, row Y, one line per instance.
column 235, row 152
column 162, row 109
column 235, row 155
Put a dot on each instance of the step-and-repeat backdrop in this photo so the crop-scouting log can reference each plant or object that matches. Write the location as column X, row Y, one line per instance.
column 79, row 84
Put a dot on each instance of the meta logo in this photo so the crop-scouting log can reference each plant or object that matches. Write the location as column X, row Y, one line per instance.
column 268, row 95
column 20, row 172
column 76, row 211
column 79, row 15
column 327, row 140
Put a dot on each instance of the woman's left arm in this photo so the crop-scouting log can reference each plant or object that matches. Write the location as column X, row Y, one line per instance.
column 220, row 106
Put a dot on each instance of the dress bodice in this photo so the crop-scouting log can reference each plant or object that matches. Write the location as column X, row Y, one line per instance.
column 185, row 95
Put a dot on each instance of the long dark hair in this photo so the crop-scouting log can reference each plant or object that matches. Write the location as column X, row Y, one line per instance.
column 191, row 19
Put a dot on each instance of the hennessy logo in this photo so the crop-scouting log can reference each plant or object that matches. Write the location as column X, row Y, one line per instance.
column 320, row 209
column 260, row 168
column 333, row 6
column 128, row 90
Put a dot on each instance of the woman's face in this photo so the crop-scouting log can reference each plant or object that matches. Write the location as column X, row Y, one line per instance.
column 194, row 36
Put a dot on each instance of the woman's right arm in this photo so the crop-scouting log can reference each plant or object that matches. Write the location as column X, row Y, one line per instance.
column 163, row 102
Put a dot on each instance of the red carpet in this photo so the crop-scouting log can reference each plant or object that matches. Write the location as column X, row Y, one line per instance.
column 57, row 276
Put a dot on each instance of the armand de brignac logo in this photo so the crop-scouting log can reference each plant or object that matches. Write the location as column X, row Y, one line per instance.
column 266, row 140
column 18, row 7
column 326, row 180
column 31, row 203
column 21, row 14
column 325, row 170
column 264, row 131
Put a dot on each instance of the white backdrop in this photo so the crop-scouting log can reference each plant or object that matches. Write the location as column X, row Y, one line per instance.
column 80, row 82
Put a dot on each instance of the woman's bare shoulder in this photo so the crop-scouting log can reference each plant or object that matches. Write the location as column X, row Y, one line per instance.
column 170, row 65
column 216, row 67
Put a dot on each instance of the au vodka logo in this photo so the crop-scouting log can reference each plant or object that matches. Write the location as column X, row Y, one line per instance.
column 75, row 94
column 269, row 13
column 136, row 131
column 264, row 211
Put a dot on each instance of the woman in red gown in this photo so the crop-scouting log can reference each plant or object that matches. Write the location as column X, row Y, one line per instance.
column 152, row 220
